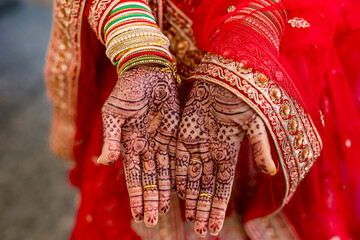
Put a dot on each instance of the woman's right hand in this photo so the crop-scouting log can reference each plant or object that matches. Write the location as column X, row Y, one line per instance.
column 140, row 120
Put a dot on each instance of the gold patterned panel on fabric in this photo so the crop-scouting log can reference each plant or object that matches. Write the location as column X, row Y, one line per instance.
column 178, row 28
column 295, row 137
column 62, row 73
column 98, row 13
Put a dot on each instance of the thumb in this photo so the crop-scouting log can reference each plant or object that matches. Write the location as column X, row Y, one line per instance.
column 112, row 124
column 257, row 136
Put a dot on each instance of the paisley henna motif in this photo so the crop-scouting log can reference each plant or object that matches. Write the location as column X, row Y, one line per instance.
column 140, row 119
column 213, row 125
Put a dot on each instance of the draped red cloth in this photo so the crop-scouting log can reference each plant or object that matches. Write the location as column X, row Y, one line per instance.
column 323, row 62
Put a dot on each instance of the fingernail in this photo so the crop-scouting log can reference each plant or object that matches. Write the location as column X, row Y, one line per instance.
column 214, row 234
column 98, row 161
column 139, row 221
column 273, row 172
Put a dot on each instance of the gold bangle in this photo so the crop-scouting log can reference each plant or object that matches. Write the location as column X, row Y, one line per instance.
column 150, row 186
column 169, row 67
column 113, row 55
column 208, row 195
column 130, row 27
column 120, row 47
column 134, row 33
column 142, row 50
column 141, row 60
column 138, row 41
column 123, row 44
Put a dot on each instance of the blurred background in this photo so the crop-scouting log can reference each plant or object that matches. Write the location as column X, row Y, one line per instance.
column 36, row 201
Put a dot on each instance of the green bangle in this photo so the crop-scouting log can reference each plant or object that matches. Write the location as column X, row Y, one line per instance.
column 126, row 7
column 128, row 16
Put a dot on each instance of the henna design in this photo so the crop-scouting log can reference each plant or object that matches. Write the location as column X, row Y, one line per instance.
column 213, row 125
column 172, row 156
column 140, row 118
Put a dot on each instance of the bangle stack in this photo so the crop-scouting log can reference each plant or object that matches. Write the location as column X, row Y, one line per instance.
column 132, row 37
column 270, row 24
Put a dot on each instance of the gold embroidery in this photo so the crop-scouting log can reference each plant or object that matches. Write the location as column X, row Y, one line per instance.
column 285, row 110
column 299, row 23
column 322, row 118
column 62, row 72
column 231, row 8
column 178, row 29
column 260, row 79
column 295, row 137
column 298, row 141
column 275, row 94
column 98, row 12
column 293, row 126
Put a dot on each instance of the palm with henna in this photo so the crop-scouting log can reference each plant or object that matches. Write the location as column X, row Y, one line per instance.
column 213, row 125
column 140, row 120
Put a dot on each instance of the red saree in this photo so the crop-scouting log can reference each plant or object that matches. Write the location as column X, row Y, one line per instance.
column 316, row 71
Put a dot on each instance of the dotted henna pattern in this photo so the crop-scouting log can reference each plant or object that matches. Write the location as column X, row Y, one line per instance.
column 140, row 120
column 213, row 125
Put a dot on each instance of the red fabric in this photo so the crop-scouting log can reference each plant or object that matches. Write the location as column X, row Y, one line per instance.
column 316, row 59
column 104, row 211
column 323, row 62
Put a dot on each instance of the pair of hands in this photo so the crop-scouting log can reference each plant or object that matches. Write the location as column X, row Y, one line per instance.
column 196, row 155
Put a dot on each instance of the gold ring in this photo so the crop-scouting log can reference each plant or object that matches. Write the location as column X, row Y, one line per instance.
column 195, row 160
column 149, row 186
column 208, row 195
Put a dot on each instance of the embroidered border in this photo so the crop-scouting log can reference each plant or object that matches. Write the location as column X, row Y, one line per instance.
column 62, row 72
column 297, row 142
column 98, row 12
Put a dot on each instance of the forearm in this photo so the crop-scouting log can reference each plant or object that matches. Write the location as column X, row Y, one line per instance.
column 130, row 33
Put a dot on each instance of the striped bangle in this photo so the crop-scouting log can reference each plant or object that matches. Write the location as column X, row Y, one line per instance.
column 143, row 60
column 140, row 32
column 118, row 29
column 131, row 47
column 126, row 11
column 132, row 37
column 144, row 50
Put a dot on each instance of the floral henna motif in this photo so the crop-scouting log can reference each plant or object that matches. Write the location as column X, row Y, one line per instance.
column 213, row 125
column 140, row 118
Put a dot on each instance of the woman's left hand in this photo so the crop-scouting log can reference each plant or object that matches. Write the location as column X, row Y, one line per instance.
column 213, row 125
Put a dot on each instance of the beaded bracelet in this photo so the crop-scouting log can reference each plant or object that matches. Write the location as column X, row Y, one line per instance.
column 118, row 29
column 135, row 33
column 127, row 44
